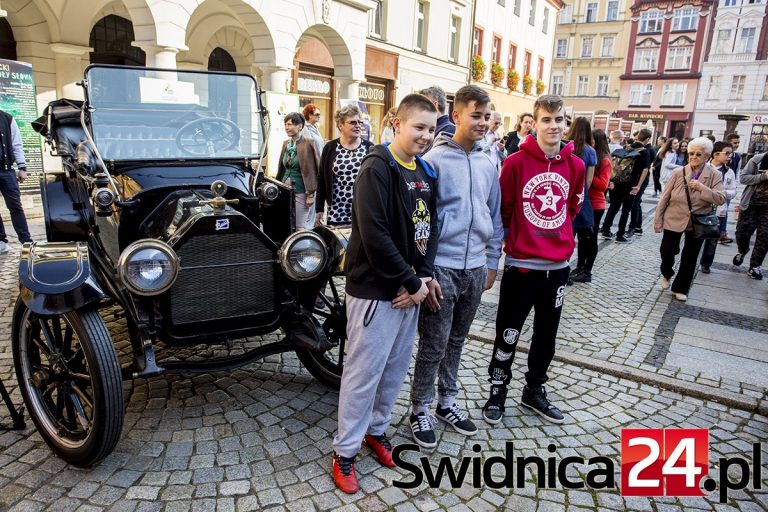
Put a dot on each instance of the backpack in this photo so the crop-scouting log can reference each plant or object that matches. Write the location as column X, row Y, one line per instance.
column 622, row 164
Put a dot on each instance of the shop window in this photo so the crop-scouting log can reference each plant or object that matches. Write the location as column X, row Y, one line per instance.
column 7, row 41
column 111, row 39
column 221, row 60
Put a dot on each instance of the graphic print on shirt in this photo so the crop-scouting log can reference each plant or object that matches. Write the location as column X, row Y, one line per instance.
column 421, row 223
column 545, row 200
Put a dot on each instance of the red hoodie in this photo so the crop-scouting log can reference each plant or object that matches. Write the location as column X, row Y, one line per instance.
column 539, row 199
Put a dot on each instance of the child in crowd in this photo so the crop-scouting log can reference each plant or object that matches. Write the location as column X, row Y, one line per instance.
column 389, row 262
column 542, row 188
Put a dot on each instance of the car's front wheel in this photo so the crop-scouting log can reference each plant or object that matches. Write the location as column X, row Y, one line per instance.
column 70, row 380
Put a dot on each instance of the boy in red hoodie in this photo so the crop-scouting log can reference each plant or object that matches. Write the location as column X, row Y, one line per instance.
column 541, row 192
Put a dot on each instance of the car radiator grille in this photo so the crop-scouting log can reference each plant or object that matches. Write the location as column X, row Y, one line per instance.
column 223, row 276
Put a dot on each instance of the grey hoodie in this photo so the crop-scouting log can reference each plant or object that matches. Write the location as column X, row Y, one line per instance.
column 468, row 206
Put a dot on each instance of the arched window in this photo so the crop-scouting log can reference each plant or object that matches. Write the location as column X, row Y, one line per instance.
column 7, row 42
column 111, row 39
column 221, row 60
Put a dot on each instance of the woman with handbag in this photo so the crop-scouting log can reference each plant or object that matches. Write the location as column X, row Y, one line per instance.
column 687, row 208
column 297, row 167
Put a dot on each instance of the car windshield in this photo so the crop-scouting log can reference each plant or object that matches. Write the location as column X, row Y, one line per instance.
column 147, row 114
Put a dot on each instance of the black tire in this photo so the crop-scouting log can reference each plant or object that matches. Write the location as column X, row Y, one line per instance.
column 324, row 366
column 71, row 382
column 328, row 366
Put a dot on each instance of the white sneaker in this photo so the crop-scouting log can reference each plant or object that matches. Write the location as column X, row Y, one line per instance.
column 3, row 248
column 680, row 296
column 664, row 283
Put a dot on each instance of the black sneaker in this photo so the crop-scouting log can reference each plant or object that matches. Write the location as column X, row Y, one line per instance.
column 493, row 410
column 536, row 400
column 584, row 277
column 423, row 428
column 630, row 233
column 755, row 273
column 705, row 270
column 638, row 232
column 577, row 270
column 622, row 239
column 607, row 235
column 456, row 418
column 738, row 259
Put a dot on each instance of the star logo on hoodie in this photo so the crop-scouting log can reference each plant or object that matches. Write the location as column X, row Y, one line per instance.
column 548, row 200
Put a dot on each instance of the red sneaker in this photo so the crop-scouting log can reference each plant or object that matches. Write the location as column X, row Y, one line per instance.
column 344, row 474
column 382, row 448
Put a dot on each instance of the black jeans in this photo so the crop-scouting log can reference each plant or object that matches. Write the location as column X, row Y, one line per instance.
column 620, row 198
column 521, row 290
column 754, row 218
column 588, row 243
column 9, row 186
column 670, row 247
column 656, row 179
column 636, row 218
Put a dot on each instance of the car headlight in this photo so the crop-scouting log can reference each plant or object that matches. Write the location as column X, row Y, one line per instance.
column 303, row 255
column 148, row 267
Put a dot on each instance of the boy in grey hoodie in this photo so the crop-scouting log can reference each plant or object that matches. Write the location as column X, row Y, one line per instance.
column 467, row 259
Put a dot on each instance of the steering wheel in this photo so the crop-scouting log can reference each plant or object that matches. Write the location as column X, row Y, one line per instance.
column 207, row 136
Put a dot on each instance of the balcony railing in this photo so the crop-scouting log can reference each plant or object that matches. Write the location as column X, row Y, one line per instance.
column 732, row 57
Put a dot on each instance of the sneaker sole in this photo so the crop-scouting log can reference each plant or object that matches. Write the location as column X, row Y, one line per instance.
column 421, row 443
column 548, row 418
column 492, row 422
column 457, row 429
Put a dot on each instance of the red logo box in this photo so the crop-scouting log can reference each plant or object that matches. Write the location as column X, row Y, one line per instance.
column 663, row 462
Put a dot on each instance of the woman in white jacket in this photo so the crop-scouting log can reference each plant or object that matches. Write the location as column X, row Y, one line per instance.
column 668, row 157
column 721, row 156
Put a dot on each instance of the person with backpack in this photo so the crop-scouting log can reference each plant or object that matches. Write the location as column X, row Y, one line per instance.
column 636, row 214
column 721, row 157
column 754, row 215
column 629, row 167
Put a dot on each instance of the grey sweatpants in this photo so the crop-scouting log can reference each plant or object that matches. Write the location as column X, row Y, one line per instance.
column 379, row 344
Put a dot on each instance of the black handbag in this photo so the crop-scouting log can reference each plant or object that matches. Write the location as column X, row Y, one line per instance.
column 706, row 226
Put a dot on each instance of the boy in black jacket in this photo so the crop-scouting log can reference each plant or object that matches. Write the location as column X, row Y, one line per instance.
column 389, row 260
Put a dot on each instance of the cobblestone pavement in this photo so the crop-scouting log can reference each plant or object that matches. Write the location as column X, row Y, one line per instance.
column 259, row 438
column 623, row 317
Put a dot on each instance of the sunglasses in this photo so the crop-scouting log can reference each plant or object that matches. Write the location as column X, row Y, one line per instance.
column 355, row 123
column 696, row 154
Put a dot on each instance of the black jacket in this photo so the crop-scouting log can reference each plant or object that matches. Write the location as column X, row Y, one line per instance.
column 6, row 146
column 382, row 255
column 325, row 174
column 641, row 162
column 513, row 142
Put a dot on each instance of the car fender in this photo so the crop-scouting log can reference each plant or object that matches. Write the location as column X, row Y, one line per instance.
column 55, row 277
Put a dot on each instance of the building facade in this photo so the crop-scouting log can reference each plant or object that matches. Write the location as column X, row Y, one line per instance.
column 735, row 75
column 591, row 41
column 513, row 35
column 667, row 46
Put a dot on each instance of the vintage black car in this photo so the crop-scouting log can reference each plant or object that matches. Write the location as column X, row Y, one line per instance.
column 163, row 214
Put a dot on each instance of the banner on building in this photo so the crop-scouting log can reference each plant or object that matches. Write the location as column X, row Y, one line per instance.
column 18, row 98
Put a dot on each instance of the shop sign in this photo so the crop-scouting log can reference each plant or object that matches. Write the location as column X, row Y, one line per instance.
column 314, row 85
column 760, row 119
column 370, row 93
column 643, row 115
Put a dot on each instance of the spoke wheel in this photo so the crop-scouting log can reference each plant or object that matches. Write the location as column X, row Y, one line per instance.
column 327, row 366
column 70, row 379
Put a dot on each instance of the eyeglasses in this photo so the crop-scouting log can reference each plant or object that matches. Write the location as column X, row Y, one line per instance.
column 355, row 123
column 695, row 154
column 315, row 113
column 724, row 153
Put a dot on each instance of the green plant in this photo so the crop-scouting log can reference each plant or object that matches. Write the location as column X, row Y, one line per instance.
column 527, row 84
column 478, row 68
column 497, row 74
column 513, row 79
column 540, row 86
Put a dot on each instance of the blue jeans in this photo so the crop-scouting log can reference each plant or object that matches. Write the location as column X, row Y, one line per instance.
column 442, row 335
column 9, row 187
